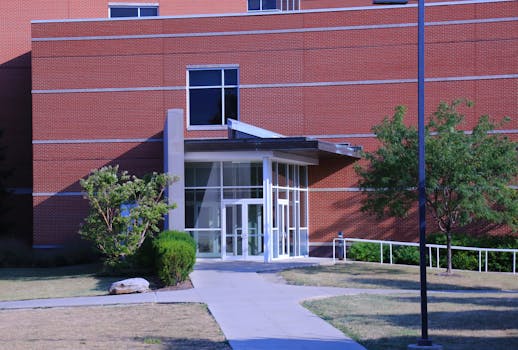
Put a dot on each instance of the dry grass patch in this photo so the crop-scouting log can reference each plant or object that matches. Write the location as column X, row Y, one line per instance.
column 149, row 326
column 456, row 321
column 369, row 275
column 59, row 282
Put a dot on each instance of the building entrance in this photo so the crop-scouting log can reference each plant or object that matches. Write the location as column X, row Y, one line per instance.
column 244, row 210
column 243, row 233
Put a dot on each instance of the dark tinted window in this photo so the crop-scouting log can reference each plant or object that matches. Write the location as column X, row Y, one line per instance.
column 254, row 5
column 148, row 11
column 230, row 76
column 213, row 100
column 269, row 4
column 205, row 77
column 230, row 104
column 257, row 5
column 133, row 11
column 123, row 12
column 205, row 106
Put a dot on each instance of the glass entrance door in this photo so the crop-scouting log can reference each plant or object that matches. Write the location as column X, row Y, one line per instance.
column 283, row 240
column 243, row 228
column 233, row 229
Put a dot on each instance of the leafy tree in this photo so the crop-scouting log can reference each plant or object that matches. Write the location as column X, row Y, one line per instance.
column 124, row 209
column 468, row 174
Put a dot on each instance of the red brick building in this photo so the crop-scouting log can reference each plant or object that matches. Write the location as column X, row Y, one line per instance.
column 306, row 86
column 16, row 81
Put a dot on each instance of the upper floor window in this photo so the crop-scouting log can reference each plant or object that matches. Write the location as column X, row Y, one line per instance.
column 212, row 95
column 132, row 10
column 273, row 5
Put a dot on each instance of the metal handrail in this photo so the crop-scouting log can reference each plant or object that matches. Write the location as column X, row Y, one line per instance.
column 429, row 246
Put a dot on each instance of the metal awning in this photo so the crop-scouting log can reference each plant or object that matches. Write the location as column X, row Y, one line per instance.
column 248, row 138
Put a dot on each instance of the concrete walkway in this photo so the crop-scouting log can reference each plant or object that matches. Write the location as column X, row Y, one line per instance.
column 253, row 308
column 254, row 312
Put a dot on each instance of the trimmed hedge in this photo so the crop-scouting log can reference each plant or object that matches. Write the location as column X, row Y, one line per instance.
column 463, row 260
column 175, row 256
column 179, row 236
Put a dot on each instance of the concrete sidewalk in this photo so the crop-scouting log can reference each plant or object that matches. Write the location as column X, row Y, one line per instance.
column 254, row 309
column 256, row 313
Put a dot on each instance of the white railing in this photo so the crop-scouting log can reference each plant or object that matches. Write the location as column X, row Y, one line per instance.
column 437, row 248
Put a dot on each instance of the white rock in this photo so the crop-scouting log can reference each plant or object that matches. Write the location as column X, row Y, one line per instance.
column 130, row 285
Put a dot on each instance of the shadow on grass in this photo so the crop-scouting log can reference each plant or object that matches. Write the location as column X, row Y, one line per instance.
column 414, row 284
column 481, row 323
column 448, row 342
column 474, row 300
column 49, row 273
column 351, row 270
column 182, row 343
column 473, row 320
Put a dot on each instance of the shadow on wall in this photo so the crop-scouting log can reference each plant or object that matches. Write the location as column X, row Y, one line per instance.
column 57, row 218
column 16, row 124
column 339, row 211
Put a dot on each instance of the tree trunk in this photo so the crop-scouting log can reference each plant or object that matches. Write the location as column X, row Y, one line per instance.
column 448, row 253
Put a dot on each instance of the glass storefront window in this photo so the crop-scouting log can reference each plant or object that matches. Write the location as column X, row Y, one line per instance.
column 202, row 208
column 208, row 242
column 281, row 175
column 303, row 177
column 291, row 176
column 202, row 174
column 303, row 200
column 237, row 193
column 242, row 174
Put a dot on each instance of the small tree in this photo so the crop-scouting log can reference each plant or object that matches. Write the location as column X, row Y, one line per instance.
column 124, row 209
column 468, row 175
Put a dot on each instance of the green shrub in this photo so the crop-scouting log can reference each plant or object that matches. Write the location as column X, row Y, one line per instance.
column 15, row 253
column 124, row 210
column 467, row 260
column 406, row 255
column 366, row 251
column 461, row 259
column 144, row 257
column 464, row 260
column 175, row 257
column 179, row 236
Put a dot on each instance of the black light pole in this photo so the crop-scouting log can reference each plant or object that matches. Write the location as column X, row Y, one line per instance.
column 424, row 341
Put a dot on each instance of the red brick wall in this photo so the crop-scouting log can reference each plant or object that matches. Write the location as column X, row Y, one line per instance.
column 283, row 58
column 15, row 95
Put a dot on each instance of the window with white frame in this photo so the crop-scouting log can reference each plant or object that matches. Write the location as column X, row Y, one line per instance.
column 212, row 96
column 117, row 10
column 273, row 5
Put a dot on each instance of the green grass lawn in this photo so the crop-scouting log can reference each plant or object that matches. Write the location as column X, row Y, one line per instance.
column 372, row 275
column 146, row 326
column 457, row 320
column 59, row 282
